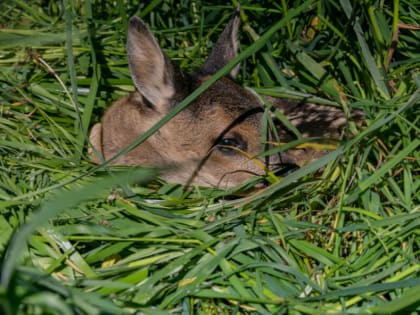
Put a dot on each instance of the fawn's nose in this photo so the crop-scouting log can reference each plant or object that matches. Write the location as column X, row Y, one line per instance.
column 285, row 169
column 282, row 170
column 280, row 164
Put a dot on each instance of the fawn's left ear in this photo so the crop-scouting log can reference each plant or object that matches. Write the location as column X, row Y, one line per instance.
column 153, row 73
column 225, row 49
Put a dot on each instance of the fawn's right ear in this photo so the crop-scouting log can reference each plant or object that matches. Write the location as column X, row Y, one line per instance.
column 225, row 49
column 153, row 73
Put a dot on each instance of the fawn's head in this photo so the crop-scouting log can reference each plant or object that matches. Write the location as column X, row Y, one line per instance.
column 214, row 141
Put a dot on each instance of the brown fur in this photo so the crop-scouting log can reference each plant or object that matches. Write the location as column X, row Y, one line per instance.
column 213, row 142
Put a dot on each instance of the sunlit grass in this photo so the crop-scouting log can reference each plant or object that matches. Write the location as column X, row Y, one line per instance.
column 76, row 238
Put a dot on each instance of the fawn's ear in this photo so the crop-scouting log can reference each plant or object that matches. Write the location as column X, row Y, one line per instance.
column 225, row 49
column 153, row 73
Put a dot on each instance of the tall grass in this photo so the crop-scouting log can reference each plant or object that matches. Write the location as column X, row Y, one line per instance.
column 80, row 239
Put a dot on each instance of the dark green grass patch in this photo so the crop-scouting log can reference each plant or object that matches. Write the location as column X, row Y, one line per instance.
column 76, row 238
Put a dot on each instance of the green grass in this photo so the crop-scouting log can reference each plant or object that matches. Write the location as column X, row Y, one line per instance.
column 80, row 239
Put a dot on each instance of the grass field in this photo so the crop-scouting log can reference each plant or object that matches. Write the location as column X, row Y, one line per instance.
column 76, row 238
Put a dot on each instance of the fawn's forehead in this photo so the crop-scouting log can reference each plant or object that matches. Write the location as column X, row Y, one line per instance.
column 227, row 98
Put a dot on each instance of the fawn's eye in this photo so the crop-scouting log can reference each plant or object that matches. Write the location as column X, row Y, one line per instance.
column 228, row 145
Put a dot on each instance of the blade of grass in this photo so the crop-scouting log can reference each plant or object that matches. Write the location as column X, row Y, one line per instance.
column 72, row 72
column 402, row 303
column 387, row 167
column 62, row 201
column 368, row 59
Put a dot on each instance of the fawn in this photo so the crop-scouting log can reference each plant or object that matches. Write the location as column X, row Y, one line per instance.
column 215, row 141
